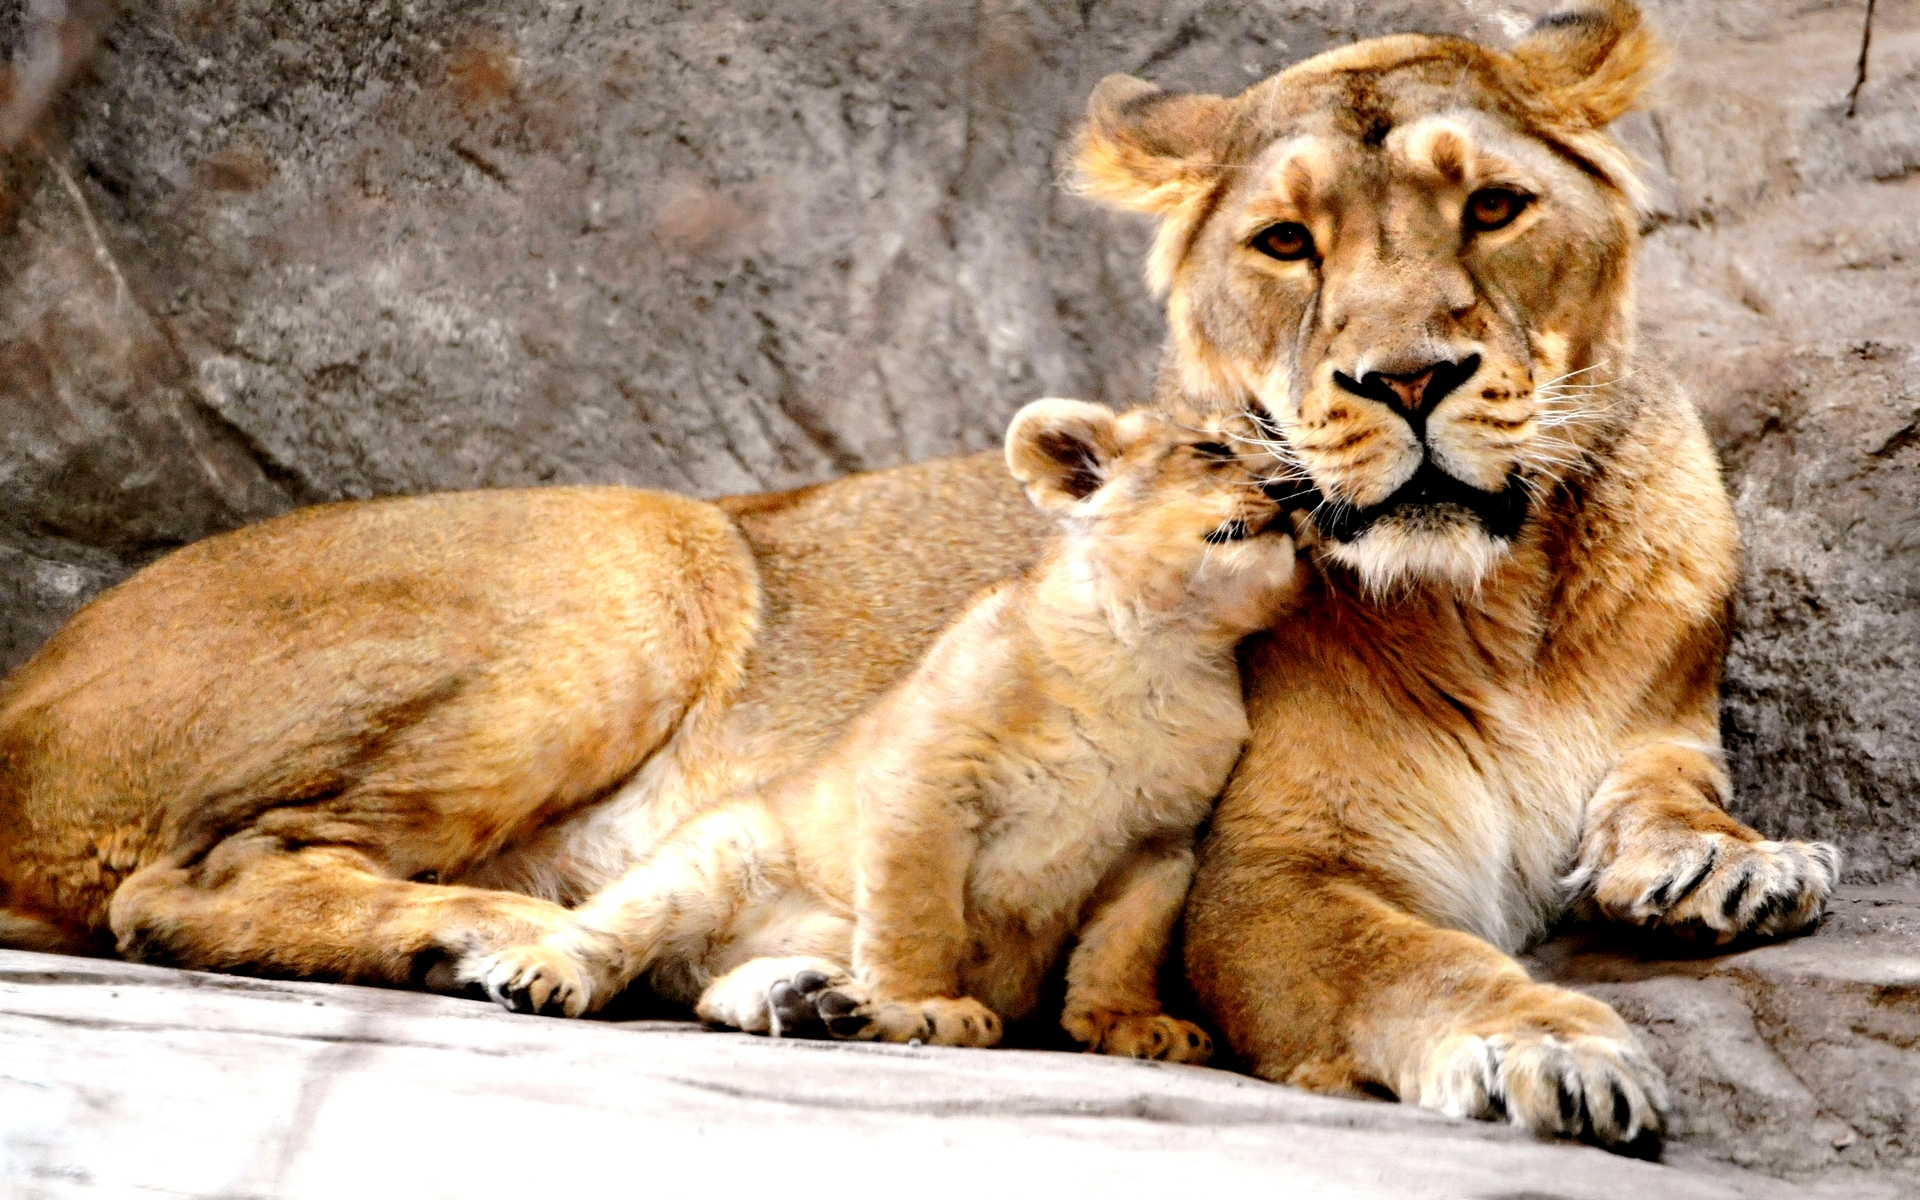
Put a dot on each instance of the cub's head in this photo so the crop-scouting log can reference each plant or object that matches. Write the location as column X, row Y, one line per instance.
column 1413, row 253
column 1166, row 512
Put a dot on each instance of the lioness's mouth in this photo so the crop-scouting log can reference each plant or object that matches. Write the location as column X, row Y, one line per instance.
column 1500, row 513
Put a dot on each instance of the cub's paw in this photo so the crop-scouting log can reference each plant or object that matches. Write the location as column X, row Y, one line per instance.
column 537, row 978
column 1140, row 1035
column 776, row 996
column 1596, row 1088
column 1720, row 885
column 936, row 1021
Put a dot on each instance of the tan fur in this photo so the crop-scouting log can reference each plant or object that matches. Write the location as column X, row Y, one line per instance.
column 257, row 754
column 1035, row 781
column 1469, row 723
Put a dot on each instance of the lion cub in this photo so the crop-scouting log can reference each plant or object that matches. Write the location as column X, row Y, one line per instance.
column 1036, row 781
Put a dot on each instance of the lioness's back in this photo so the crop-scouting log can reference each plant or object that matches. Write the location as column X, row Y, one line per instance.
column 272, row 663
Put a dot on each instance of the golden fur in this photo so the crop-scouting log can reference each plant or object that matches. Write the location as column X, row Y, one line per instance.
column 1500, row 693
column 381, row 741
column 1035, row 781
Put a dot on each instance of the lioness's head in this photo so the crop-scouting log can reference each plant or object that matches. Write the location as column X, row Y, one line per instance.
column 1413, row 253
column 1170, row 512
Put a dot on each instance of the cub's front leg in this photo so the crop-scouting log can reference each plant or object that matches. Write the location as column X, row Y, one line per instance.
column 1113, row 1001
column 1659, row 849
column 916, row 845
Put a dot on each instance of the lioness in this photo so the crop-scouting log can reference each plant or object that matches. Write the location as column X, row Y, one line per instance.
column 1038, row 777
column 379, row 741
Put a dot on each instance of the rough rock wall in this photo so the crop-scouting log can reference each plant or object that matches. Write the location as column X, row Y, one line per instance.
column 266, row 253
column 261, row 253
column 1784, row 277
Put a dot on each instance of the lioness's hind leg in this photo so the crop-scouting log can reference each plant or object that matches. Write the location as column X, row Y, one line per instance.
column 322, row 912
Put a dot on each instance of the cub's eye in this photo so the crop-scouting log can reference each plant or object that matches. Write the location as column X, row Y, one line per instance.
column 1494, row 208
column 1213, row 449
column 1289, row 241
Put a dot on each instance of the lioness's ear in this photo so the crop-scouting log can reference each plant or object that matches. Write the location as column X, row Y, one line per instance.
column 1148, row 150
column 1061, row 451
column 1592, row 64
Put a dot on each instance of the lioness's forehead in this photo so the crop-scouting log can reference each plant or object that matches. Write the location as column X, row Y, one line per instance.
column 1434, row 107
column 1362, row 92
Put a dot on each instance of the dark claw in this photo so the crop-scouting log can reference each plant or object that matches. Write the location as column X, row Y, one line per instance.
column 1646, row 1147
column 1775, row 907
column 1672, row 892
column 1736, row 895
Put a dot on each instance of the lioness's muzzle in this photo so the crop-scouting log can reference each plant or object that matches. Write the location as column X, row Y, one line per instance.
column 1500, row 513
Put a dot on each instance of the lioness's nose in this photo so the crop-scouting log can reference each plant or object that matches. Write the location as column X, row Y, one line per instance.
column 1414, row 392
column 1411, row 389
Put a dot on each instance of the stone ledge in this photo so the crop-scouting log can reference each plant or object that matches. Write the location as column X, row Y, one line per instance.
column 1800, row 1059
column 117, row 1078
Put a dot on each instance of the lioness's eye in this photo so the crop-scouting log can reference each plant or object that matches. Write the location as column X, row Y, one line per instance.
column 1213, row 449
column 1288, row 241
column 1492, row 208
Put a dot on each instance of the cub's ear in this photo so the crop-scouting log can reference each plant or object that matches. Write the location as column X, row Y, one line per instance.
column 1592, row 64
column 1149, row 150
column 1061, row 451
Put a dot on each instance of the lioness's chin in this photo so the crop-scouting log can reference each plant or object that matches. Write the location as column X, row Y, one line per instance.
column 1446, row 548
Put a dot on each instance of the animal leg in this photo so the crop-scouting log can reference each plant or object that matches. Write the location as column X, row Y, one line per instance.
column 681, row 903
column 917, row 843
column 1319, row 982
column 1660, row 850
column 1113, row 1002
column 322, row 912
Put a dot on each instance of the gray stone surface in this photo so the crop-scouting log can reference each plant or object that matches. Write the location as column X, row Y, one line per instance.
column 1794, row 1069
column 1799, row 1059
column 121, row 1080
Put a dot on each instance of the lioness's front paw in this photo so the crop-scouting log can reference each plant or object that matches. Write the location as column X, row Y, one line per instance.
column 1719, row 883
column 937, row 1021
column 1595, row 1087
column 537, row 978
column 1140, row 1035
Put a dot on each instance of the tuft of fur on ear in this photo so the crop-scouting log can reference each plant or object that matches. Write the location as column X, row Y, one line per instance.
column 1060, row 451
column 1148, row 150
column 1592, row 64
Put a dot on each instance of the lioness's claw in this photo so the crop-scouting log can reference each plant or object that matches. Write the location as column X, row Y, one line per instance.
column 1598, row 1089
column 1720, row 884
